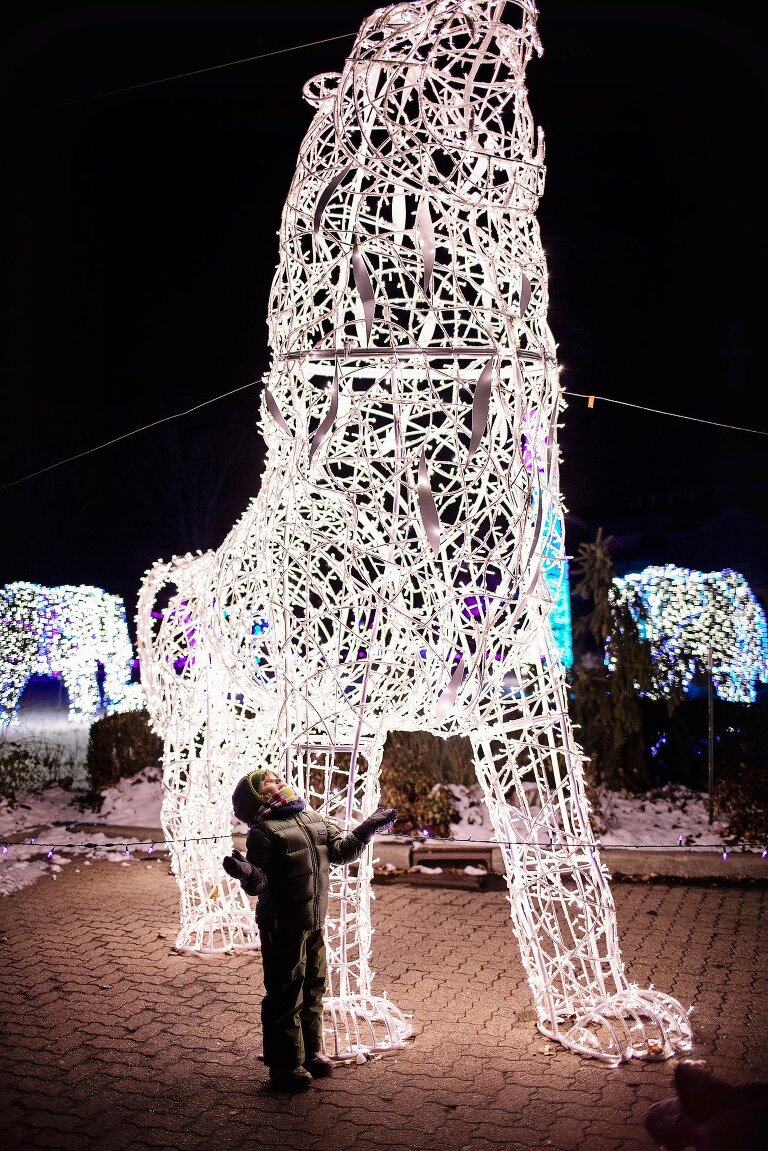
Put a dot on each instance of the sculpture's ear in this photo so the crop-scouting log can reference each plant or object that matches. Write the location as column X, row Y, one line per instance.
column 321, row 89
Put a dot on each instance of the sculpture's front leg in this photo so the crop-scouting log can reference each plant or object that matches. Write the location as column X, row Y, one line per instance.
column 562, row 907
column 342, row 781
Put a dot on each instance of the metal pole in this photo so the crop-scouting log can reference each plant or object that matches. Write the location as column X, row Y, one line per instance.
column 710, row 742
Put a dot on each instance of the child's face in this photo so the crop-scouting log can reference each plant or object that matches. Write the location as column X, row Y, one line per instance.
column 270, row 785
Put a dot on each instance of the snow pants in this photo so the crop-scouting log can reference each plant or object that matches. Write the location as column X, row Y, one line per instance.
column 292, row 1009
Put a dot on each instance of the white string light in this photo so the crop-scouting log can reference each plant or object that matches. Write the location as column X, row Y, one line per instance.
column 406, row 540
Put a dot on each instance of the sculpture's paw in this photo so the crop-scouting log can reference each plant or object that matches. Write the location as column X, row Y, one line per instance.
column 215, row 927
column 360, row 1025
column 632, row 1024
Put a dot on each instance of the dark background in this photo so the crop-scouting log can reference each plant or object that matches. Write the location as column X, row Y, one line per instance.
column 139, row 238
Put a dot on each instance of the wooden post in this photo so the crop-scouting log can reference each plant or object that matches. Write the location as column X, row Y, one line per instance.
column 710, row 748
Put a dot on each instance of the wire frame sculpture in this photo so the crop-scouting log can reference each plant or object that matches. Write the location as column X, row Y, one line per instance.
column 392, row 571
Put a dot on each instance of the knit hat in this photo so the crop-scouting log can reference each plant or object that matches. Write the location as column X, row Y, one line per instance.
column 246, row 799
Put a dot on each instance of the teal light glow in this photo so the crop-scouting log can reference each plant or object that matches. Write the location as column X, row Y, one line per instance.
column 557, row 575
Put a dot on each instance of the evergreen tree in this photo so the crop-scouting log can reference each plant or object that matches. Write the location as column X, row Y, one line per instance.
column 606, row 697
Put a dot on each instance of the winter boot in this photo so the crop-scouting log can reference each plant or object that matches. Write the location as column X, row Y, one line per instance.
column 319, row 1065
column 298, row 1079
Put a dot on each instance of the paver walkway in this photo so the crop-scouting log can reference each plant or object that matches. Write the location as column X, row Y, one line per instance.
column 111, row 1040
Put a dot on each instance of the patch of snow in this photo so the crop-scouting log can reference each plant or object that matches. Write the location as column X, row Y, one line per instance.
column 665, row 817
column 51, row 734
column 135, row 802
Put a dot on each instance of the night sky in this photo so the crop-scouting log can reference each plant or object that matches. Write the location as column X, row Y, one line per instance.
column 140, row 239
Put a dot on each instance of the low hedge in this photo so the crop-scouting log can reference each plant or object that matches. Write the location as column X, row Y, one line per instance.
column 119, row 747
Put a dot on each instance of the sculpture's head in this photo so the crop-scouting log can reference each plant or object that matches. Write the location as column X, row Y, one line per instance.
column 432, row 85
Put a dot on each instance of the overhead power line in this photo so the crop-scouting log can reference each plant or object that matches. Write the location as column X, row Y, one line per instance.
column 660, row 412
column 225, row 395
column 127, row 435
column 177, row 415
column 214, row 67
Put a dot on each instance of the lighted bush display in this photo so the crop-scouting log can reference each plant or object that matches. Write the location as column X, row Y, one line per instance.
column 78, row 634
column 683, row 613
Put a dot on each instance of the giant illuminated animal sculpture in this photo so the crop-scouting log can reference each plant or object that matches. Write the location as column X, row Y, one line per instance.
column 407, row 522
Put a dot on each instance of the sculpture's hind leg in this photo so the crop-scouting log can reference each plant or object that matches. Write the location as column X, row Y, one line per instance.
column 561, row 903
column 206, row 740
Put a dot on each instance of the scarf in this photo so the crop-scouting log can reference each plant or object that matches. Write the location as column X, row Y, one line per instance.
column 285, row 801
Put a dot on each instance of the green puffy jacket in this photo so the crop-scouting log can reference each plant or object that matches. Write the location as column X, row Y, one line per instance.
column 294, row 850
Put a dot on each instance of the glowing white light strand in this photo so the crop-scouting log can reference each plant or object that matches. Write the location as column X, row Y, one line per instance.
column 402, row 542
column 685, row 613
column 66, row 632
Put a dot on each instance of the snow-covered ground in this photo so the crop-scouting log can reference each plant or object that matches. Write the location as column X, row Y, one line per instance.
column 662, row 818
column 50, row 735
column 64, row 833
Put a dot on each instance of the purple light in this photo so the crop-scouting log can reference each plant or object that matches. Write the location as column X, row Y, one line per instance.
column 150, row 849
column 5, row 849
column 725, row 856
column 50, row 854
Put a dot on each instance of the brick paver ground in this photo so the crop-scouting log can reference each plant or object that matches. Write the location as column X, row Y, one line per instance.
column 111, row 1040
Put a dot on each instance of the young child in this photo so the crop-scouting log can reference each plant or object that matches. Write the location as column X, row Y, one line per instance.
column 289, row 849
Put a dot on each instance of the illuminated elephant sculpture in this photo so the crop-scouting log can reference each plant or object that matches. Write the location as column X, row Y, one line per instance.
column 66, row 632
column 402, row 542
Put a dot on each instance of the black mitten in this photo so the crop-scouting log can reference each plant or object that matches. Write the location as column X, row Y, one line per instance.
column 238, row 866
column 252, row 879
column 384, row 817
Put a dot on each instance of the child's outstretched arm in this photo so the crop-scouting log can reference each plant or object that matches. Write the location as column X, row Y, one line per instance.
column 381, row 818
column 346, row 848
